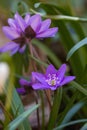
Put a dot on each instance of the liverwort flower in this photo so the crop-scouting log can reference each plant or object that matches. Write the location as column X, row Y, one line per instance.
column 22, row 30
column 24, row 86
column 53, row 78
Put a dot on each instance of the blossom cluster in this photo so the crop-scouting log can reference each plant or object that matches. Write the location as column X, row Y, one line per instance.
column 21, row 31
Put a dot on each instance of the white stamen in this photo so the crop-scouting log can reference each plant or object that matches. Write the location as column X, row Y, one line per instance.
column 52, row 79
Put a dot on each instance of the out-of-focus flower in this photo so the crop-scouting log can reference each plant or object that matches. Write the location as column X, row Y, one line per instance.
column 24, row 86
column 22, row 30
column 53, row 78
column 4, row 74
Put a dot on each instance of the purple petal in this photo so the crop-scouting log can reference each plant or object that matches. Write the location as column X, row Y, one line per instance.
column 37, row 86
column 21, row 50
column 20, row 21
column 45, row 25
column 24, row 82
column 35, row 22
column 38, row 76
column 9, row 46
column 12, row 23
column 61, row 71
column 21, row 90
column 27, row 18
column 67, row 79
column 53, row 88
column 10, row 32
column 51, row 70
column 48, row 33
column 14, row 50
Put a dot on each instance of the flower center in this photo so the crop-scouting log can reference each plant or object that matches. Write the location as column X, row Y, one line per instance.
column 27, row 34
column 52, row 79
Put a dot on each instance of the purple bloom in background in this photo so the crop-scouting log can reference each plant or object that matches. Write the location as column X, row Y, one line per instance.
column 53, row 78
column 24, row 85
column 21, row 30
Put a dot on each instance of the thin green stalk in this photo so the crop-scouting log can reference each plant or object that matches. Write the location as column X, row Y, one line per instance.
column 43, row 112
column 38, row 61
column 61, row 17
column 55, row 109
column 38, row 117
column 48, row 52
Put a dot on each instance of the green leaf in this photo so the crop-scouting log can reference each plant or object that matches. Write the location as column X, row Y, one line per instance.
column 79, row 87
column 68, row 42
column 18, row 106
column 15, row 123
column 76, row 47
column 71, row 123
column 67, row 108
column 18, row 62
column 51, row 7
column 84, row 127
column 55, row 109
column 19, row 6
column 48, row 52
column 13, row 101
column 84, row 77
column 74, row 110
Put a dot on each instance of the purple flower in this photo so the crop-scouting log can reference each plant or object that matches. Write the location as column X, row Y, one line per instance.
column 24, row 86
column 21, row 30
column 53, row 78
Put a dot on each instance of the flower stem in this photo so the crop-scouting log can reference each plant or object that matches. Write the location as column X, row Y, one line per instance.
column 5, row 111
column 34, row 67
column 47, row 92
column 43, row 110
column 31, row 52
column 38, row 118
column 48, row 97
column 61, row 17
column 34, row 52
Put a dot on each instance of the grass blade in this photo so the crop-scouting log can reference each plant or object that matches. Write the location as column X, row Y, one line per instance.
column 76, row 47
column 74, row 110
column 15, row 123
column 71, row 123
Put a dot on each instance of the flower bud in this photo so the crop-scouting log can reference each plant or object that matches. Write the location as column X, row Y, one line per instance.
column 4, row 74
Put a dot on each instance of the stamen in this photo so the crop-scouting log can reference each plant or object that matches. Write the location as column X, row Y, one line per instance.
column 52, row 79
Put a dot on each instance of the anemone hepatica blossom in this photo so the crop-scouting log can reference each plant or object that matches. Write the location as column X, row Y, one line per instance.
column 21, row 30
column 53, row 78
column 24, row 86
